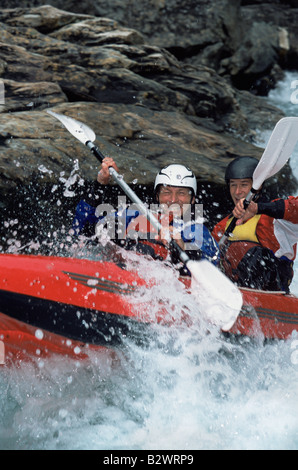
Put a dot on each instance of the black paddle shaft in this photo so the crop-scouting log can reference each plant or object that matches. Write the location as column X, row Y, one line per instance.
column 252, row 196
column 95, row 150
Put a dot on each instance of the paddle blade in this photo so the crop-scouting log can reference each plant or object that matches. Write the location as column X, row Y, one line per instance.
column 78, row 129
column 219, row 299
column 278, row 150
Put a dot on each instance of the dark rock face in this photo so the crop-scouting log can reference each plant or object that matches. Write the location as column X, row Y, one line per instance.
column 159, row 82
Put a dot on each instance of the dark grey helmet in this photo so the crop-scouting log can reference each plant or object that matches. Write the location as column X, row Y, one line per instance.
column 240, row 168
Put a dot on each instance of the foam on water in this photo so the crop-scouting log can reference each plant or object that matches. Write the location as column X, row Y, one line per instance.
column 186, row 390
column 197, row 392
column 189, row 388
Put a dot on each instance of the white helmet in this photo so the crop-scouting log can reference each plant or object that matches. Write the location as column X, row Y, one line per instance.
column 176, row 175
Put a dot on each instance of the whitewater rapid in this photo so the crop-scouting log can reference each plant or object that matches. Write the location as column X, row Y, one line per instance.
column 187, row 391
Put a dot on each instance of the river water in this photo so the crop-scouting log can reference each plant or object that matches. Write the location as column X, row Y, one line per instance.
column 191, row 391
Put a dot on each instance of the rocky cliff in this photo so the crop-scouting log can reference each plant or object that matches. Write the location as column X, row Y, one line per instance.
column 158, row 81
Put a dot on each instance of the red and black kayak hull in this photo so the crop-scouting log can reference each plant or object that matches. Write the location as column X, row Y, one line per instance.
column 73, row 306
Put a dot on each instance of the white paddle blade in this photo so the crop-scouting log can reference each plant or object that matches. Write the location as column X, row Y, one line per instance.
column 278, row 150
column 78, row 129
column 220, row 300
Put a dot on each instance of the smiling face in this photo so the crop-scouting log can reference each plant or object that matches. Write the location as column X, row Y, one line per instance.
column 239, row 188
column 175, row 196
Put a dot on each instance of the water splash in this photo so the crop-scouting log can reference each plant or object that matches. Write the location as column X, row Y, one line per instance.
column 195, row 392
column 188, row 390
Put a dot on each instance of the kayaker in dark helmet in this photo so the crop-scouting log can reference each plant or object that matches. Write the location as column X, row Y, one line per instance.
column 175, row 190
column 261, row 250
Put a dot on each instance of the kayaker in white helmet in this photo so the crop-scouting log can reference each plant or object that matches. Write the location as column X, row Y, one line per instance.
column 261, row 251
column 175, row 189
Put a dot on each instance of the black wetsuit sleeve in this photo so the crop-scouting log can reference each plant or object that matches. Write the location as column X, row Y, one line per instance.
column 274, row 209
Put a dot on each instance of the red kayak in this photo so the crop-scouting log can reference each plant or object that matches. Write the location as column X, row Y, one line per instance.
column 72, row 306
column 273, row 314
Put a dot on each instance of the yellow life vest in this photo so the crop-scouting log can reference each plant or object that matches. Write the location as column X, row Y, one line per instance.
column 243, row 238
column 246, row 231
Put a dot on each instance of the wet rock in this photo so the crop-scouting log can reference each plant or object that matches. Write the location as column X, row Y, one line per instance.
column 283, row 16
column 25, row 96
column 255, row 58
column 140, row 139
column 44, row 18
column 95, row 32
column 147, row 106
column 212, row 33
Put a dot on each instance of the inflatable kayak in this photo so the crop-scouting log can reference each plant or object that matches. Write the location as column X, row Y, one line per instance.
column 73, row 306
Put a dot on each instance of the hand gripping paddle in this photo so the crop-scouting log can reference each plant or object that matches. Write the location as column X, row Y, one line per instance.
column 277, row 152
column 218, row 298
